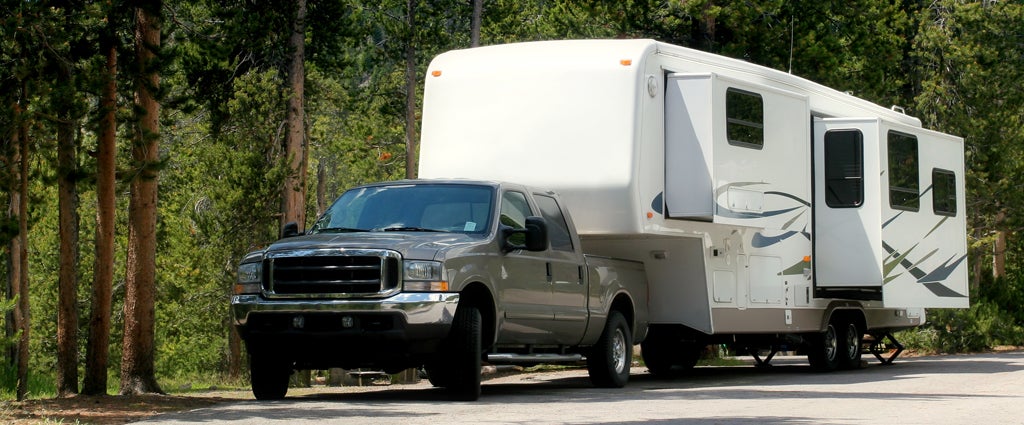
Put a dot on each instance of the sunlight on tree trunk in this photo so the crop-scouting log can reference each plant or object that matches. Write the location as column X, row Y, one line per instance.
column 295, row 140
column 98, row 351
column 410, row 92
column 137, row 366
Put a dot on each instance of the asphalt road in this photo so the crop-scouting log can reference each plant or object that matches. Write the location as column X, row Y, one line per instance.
column 967, row 389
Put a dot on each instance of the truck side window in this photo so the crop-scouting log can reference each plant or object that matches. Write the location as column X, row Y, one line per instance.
column 903, row 172
column 944, row 192
column 514, row 210
column 844, row 168
column 558, row 230
column 744, row 114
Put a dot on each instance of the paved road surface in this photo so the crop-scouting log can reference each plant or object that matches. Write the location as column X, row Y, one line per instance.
column 970, row 389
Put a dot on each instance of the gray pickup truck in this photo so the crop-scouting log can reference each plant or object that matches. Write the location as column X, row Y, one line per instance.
column 443, row 275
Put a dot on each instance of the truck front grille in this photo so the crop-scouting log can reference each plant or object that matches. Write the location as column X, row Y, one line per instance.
column 331, row 273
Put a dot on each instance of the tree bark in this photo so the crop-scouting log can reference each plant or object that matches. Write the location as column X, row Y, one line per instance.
column 18, row 260
column 474, row 32
column 137, row 365
column 999, row 250
column 67, row 280
column 97, row 350
column 410, row 92
column 295, row 141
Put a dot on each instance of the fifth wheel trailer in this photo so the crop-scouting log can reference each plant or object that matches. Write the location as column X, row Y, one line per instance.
column 769, row 211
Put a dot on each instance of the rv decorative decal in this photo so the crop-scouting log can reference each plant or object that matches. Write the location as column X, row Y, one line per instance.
column 736, row 200
column 930, row 280
column 761, row 241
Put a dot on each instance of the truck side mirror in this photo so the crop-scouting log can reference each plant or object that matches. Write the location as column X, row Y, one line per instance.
column 535, row 235
column 289, row 229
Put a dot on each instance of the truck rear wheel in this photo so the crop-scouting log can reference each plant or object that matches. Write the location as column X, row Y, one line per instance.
column 461, row 374
column 269, row 377
column 610, row 358
column 666, row 354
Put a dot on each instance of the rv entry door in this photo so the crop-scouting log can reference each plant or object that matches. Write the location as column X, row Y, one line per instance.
column 847, row 233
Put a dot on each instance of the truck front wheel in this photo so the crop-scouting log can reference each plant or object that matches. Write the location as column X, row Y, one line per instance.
column 610, row 358
column 269, row 377
column 464, row 355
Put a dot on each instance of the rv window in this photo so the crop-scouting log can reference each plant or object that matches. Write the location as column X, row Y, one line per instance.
column 558, row 230
column 944, row 192
column 844, row 168
column 744, row 113
column 903, row 172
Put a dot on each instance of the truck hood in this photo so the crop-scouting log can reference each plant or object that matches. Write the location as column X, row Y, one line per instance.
column 412, row 245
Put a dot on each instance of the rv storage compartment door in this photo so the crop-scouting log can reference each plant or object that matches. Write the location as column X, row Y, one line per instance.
column 847, row 204
column 688, row 137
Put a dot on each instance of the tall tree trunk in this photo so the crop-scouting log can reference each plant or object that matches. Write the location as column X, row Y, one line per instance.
column 97, row 351
column 295, row 141
column 67, row 281
column 321, row 187
column 999, row 250
column 18, row 270
column 474, row 32
column 137, row 365
column 410, row 92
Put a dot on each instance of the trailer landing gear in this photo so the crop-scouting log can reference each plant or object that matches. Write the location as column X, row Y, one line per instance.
column 878, row 347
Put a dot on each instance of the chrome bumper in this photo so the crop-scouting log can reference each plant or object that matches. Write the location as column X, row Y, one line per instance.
column 415, row 308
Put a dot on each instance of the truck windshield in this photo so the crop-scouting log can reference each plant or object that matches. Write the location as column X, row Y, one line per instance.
column 458, row 208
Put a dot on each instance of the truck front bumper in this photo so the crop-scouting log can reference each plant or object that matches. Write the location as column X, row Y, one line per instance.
column 346, row 332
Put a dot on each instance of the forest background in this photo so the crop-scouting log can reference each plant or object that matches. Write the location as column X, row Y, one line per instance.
column 145, row 146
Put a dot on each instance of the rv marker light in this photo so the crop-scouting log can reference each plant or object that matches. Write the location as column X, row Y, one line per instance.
column 436, row 73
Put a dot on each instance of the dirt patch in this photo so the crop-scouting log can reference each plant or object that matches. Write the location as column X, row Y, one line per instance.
column 107, row 409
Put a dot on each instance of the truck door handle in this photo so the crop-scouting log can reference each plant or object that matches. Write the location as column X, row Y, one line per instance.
column 547, row 266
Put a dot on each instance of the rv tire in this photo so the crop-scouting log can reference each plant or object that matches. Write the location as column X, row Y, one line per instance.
column 823, row 349
column 850, row 339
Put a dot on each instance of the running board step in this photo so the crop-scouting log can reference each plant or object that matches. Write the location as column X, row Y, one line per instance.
column 534, row 358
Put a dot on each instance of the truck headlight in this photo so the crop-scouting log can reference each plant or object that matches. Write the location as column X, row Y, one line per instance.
column 423, row 276
column 249, row 275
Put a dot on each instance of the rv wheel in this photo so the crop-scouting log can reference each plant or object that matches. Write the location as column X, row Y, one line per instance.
column 851, row 343
column 823, row 350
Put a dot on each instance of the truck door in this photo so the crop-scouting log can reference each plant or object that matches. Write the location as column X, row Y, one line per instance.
column 565, row 269
column 524, row 292
column 847, row 233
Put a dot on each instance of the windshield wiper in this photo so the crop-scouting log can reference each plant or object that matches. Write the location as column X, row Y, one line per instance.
column 407, row 229
column 339, row 230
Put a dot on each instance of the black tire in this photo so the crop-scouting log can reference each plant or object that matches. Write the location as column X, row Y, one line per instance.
column 437, row 374
column 656, row 351
column 851, row 338
column 610, row 358
column 666, row 355
column 823, row 349
column 462, row 376
column 269, row 377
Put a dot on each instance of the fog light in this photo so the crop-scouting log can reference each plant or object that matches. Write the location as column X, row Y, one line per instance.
column 347, row 322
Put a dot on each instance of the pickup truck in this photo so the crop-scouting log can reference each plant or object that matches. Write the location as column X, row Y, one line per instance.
column 441, row 275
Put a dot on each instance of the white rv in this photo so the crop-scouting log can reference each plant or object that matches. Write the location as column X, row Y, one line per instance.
column 770, row 211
